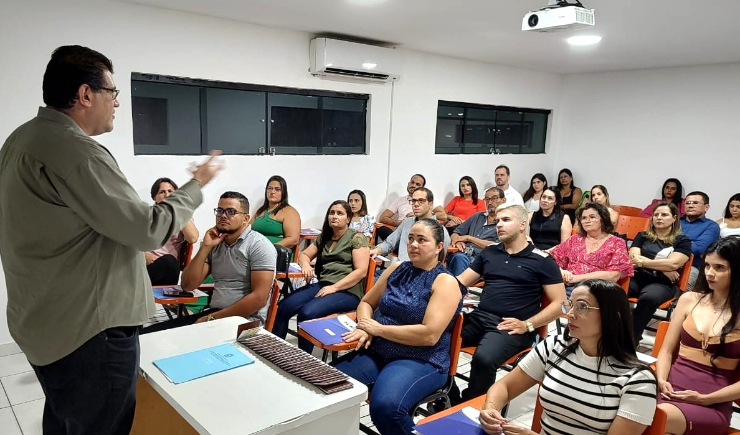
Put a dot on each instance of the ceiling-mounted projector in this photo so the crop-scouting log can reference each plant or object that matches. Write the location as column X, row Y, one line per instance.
column 557, row 16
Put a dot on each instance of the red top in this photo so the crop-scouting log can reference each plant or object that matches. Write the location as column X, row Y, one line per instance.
column 647, row 212
column 612, row 255
column 464, row 208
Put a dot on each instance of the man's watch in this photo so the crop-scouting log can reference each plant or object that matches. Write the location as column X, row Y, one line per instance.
column 529, row 325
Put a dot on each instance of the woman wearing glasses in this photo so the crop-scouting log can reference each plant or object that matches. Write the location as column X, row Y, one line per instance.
column 341, row 255
column 592, row 381
column 593, row 252
column 697, row 365
column 276, row 219
column 549, row 226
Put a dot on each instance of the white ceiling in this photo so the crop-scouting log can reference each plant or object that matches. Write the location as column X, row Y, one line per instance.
column 636, row 34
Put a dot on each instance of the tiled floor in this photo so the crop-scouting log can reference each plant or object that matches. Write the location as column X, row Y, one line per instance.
column 22, row 401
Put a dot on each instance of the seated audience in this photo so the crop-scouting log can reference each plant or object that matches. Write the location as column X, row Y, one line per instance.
column 400, row 209
column 698, row 387
column 600, row 195
column 658, row 256
column 549, row 226
column 404, row 326
column 361, row 221
column 163, row 264
column 672, row 191
column 702, row 231
column 515, row 275
column 475, row 234
column 341, row 255
column 501, row 176
column 591, row 379
column 569, row 192
column 729, row 224
column 241, row 261
column 276, row 219
column 422, row 202
column 531, row 197
column 460, row 208
column 593, row 252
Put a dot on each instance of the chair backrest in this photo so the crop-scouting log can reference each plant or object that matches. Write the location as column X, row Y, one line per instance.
column 683, row 280
column 455, row 344
column 542, row 330
column 370, row 278
column 624, row 282
column 656, row 428
column 272, row 307
column 626, row 210
column 283, row 258
column 631, row 225
column 185, row 254
column 660, row 336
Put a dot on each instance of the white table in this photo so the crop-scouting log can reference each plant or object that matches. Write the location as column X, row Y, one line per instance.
column 257, row 398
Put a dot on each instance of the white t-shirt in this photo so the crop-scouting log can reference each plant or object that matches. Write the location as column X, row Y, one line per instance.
column 400, row 207
column 578, row 399
column 512, row 196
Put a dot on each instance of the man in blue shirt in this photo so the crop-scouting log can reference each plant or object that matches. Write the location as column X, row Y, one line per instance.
column 702, row 231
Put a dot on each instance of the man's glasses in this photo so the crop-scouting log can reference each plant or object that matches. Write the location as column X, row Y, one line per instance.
column 491, row 199
column 418, row 201
column 581, row 307
column 230, row 212
column 274, row 189
column 694, row 202
column 113, row 92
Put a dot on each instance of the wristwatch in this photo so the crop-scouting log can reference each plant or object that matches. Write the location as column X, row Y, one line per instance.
column 639, row 263
column 530, row 326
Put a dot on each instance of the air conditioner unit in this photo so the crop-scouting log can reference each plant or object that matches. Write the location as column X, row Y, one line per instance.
column 332, row 57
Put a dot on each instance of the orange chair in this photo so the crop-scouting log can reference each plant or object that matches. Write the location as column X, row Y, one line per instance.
column 272, row 308
column 185, row 254
column 626, row 210
column 631, row 225
column 682, row 285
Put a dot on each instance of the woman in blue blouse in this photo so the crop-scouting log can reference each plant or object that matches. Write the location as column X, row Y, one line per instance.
column 404, row 351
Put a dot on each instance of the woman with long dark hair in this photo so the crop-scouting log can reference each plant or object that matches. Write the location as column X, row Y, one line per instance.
column 549, row 226
column 531, row 197
column 341, row 255
column 461, row 207
column 592, row 381
column 672, row 191
column 276, row 219
column 698, row 388
column 361, row 221
column 729, row 223
column 569, row 192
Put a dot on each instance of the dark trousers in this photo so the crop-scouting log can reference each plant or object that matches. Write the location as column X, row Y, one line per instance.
column 92, row 391
column 165, row 270
column 178, row 321
column 649, row 297
column 494, row 347
column 382, row 233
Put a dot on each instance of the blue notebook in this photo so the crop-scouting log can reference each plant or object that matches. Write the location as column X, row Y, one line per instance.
column 327, row 331
column 456, row 423
column 159, row 292
column 200, row 363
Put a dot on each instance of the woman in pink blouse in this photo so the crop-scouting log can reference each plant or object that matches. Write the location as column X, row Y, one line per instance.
column 592, row 253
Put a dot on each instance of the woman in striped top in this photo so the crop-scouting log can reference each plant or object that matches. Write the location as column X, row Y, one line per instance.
column 591, row 379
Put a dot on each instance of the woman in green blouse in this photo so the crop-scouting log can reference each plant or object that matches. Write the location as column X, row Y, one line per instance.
column 341, row 266
column 276, row 219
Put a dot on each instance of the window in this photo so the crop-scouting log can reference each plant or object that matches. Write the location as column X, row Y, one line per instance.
column 173, row 115
column 464, row 128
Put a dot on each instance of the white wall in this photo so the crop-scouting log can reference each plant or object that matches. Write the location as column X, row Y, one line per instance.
column 151, row 40
column 631, row 130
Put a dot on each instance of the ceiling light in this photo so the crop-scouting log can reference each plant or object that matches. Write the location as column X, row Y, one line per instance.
column 369, row 65
column 584, row 40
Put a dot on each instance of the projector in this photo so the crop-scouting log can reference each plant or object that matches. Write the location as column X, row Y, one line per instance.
column 558, row 18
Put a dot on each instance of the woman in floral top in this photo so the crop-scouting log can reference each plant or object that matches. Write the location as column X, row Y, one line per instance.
column 592, row 253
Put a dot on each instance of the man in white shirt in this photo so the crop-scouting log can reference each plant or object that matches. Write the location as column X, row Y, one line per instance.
column 501, row 175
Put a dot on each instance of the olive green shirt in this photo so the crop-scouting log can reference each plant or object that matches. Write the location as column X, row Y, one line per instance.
column 337, row 263
column 72, row 233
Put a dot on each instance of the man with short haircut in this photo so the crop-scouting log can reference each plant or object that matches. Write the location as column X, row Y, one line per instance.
column 501, row 176
column 702, row 231
column 241, row 261
column 400, row 209
column 72, row 233
column 473, row 235
column 516, row 275
column 422, row 201
column 163, row 264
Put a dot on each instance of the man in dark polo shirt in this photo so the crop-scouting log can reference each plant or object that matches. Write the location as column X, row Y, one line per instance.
column 516, row 274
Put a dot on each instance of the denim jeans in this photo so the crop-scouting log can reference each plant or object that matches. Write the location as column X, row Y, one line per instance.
column 307, row 306
column 395, row 387
column 457, row 262
column 92, row 391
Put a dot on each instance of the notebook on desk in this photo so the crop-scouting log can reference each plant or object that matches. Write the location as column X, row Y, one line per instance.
column 329, row 330
column 462, row 422
column 200, row 363
column 171, row 292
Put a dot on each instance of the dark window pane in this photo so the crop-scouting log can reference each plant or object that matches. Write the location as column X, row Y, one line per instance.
column 150, row 124
column 449, row 136
column 235, row 121
column 343, row 125
column 295, row 123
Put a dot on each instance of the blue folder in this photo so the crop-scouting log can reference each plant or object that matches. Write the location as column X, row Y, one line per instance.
column 319, row 329
column 159, row 292
column 204, row 362
column 454, row 424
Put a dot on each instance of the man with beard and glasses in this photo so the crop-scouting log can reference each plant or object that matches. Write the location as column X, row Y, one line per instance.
column 515, row 275
column 241, row 261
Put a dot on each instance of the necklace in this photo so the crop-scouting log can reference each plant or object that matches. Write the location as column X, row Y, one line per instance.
column 595, row 242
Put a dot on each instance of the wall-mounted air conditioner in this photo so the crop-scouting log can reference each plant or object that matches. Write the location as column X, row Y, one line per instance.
column 332, row 57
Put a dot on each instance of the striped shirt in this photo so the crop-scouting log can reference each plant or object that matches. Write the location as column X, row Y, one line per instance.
column 579, row 399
